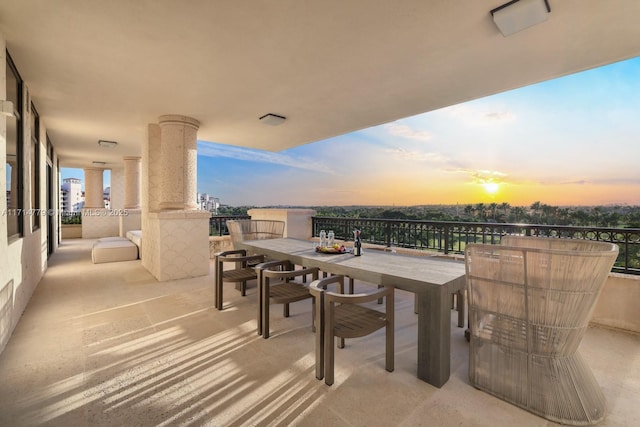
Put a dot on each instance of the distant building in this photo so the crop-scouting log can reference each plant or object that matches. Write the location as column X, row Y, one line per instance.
column 208, row 203
column 71, row 195
column 106, row 196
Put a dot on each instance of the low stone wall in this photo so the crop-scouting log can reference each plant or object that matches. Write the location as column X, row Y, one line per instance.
column 71, row 231
column 219, row 244
column 617, row 306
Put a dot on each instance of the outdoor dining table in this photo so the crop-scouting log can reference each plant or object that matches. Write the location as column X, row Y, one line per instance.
column 432, row 279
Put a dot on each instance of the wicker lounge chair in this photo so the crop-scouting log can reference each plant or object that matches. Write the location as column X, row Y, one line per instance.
column 530, row 301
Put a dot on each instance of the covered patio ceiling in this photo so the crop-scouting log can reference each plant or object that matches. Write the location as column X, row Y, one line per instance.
column 105, row 69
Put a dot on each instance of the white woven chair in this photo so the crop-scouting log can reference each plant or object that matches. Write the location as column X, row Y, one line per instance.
column 530, row 301
column 255, row 229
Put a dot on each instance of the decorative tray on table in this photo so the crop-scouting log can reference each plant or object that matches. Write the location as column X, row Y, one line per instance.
column 332, row 249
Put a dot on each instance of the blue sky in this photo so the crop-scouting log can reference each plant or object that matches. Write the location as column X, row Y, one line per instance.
column 570, row 141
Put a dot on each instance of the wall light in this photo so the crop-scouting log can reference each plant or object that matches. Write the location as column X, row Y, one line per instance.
column 6, row 109
column 107, row 144
column 520, row 14
column 272, row 119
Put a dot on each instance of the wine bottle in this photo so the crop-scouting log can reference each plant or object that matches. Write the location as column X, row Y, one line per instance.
column 357, row 244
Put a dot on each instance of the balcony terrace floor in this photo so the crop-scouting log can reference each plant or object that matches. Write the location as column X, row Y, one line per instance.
column 107, row 344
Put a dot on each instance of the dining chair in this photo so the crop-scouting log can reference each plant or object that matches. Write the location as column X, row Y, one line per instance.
column 344, row 316
column 530, row 301
column 278, row 285
column 243, row 270
column 242, row 264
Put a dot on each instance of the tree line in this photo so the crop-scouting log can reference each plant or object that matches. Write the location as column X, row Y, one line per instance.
column 613, row 216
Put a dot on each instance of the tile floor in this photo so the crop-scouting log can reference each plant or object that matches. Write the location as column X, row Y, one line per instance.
column 108, row 345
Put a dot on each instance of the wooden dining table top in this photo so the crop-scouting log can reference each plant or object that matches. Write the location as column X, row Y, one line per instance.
column 414, row 273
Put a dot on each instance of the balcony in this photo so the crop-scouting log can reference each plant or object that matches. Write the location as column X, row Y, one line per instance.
column 107, row 344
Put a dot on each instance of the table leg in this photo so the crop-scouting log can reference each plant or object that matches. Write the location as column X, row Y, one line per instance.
column 434, row 336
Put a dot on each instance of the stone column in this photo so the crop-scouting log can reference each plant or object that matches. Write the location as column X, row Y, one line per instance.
column 150, row 197
column 175, row 235
column 132, row 182
column 131, row 216
column 96, row 221
column 93, row 188
column 178, row 161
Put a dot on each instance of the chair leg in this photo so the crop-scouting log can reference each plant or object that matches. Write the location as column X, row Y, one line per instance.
column 329, row 351
column 461, row 308
column 319, row 322
column 285, row 310
column 243, row 288
column 390, row 333
column 351, row 286
column 313, row 314
column 380, row 299
column 265, row 308
column 218, row 286
column 259, row 281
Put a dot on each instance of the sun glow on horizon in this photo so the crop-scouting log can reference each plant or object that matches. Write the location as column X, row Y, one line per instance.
column 491, row 188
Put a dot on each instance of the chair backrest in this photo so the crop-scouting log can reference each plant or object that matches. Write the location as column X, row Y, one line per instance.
column 536, row 293
column 252, row 229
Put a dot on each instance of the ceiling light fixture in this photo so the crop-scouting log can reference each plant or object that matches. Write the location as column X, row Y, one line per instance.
column 107, row 144
column 98, row 163
column 520, row 14
column 272, row 119
column 6, row 109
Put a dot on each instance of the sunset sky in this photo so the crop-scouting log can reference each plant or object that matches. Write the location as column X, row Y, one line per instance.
column 569, row 141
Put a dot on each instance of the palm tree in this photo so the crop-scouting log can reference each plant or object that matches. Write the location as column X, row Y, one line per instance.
column 535, row 207
column 518, row 213
column 505, row 210
column 493, row 207
column 481, row 209
column 468, row 210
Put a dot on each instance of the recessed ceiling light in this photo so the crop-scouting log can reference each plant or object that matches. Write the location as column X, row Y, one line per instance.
column 107, row 144
column 517, row 15
column 272, row 119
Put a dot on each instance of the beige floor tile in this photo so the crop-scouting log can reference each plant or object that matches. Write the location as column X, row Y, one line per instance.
column 106, row 344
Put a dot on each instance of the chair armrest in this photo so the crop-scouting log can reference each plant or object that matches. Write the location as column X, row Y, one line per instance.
column 233, row 252
column 273, row 274
column 319, row 287
column 271, row 264
column 359, row 298
column 240, row 258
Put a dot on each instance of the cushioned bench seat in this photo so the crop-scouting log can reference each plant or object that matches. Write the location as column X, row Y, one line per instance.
column 136, row 237
column 112, row 249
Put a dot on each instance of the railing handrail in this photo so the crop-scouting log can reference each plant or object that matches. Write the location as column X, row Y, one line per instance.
column 453, row 236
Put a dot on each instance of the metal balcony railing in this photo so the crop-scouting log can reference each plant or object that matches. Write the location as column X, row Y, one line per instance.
column 71, row 217
column 452, row 237
column 218, row 224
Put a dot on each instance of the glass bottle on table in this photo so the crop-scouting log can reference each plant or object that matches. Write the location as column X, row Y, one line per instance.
column 357, row 243
column 323, row 239
column 330, row 238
